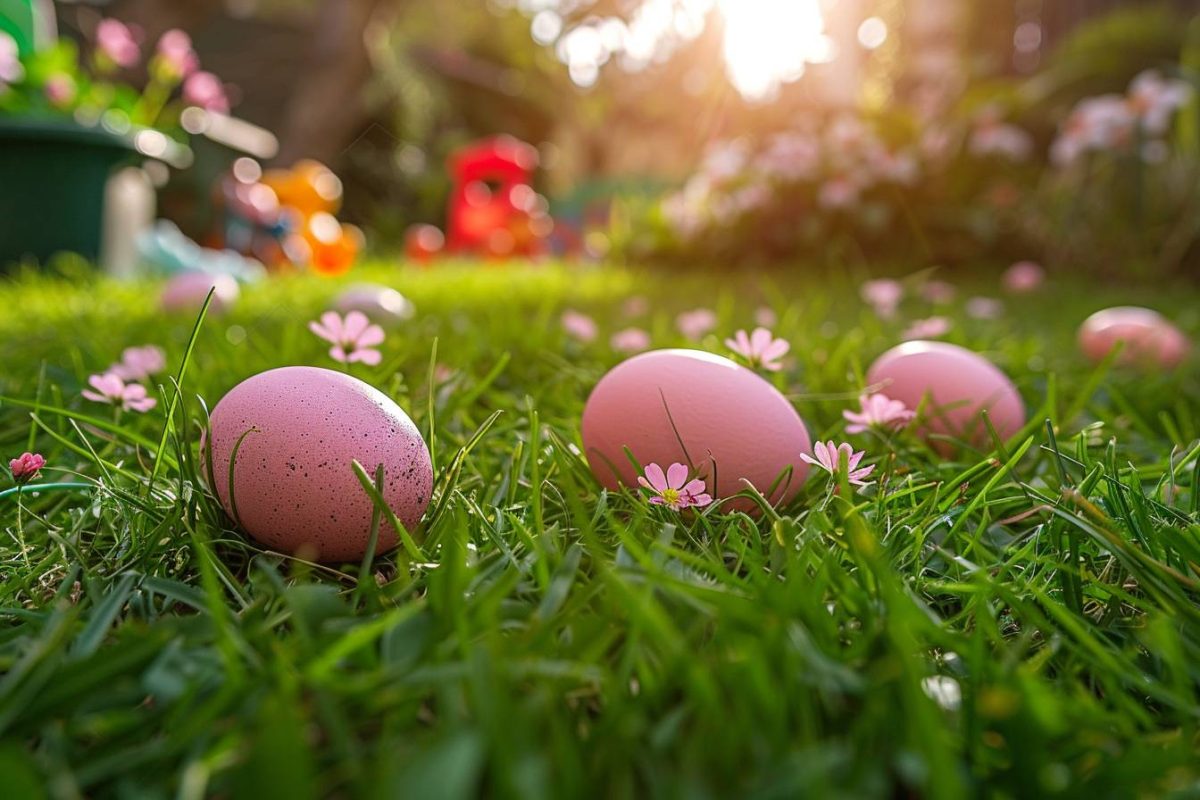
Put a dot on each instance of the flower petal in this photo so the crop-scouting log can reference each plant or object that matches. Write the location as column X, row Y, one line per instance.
column 371, row 337
column 677, row 475
column 369, row 357
column 654, row 474
column 355, row 324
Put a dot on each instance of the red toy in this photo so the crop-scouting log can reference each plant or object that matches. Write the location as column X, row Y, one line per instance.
column 493, row 209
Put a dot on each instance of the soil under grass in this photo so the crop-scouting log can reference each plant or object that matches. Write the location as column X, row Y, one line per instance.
column 1017, row 623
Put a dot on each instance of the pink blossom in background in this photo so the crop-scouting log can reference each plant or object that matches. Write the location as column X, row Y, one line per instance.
column 1023, row 276
column 11, row 70
column 930, row 328
column 353, row 338
column 790, row 157
column 108, row 388
column 635, row 306
column 938, row 292
column 993, row 137
column 25, row 467
column 696, row 323
column 878, row 411
column 60, row 90
column 117, row 42
column 830, row 457
column 898, row 168
column 673, row 489
column 760, row 348
column 765, row 317
column 839, row 192
column 175, row 50
column 630, row 340
column 1096, row 124
column 883, row 295
column 1154, row 99
column 725, row 160
column 139, row 363
column 984, row 308
column 205, row 90
column 579, row 325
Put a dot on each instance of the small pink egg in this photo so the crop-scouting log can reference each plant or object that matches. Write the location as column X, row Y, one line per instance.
column 667, row 405
column 955, row 384
column 381, row 304
column 186, row 292
column 1150, row 339
column 293, row 484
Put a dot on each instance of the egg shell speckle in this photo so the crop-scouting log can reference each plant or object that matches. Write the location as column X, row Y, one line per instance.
column 959, row 384
column 293, row 482
column 725, row 415
column 381, row 304
column 1150, row 339
column 187, row 291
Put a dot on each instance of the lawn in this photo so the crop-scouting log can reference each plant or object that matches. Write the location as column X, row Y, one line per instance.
column 1015, row 623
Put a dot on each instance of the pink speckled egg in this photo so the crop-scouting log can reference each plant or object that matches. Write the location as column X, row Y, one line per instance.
column 734, row 425
column 381, row 304
column 955, row 384
column 1150, row 339
column 293, row 484
column 186, row 292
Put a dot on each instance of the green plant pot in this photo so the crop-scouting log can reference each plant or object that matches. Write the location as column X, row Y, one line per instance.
column 52, row 179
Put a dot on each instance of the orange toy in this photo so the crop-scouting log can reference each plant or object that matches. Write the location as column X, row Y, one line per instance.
column 334, row 247
column 313, row 194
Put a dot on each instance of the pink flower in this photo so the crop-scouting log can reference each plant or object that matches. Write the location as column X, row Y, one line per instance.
column 938, row 292
column 176, row 53
column 984, row 308
column 878, row 411
column 830, row 457
column 139, row 363
column 930, row 328
column 11, row 70
column 60, row 89
column 839, row 192
column 695, row 324
column 995, row 137
column 114, row 391
column 116, row 42
column 1024, row 276
column 760, row 348
column 25, row 468
column 766, row 317
column 204, row 89
column 883, row 295
column 1155, row 99
column 578, row 325
column 635, row 306
column 673, row 489
column 353, row 338
column 630, row 340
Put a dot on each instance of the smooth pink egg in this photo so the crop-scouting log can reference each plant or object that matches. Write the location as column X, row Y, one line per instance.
column 186, row 292
column 685, row 406
column 293, row 485
column 1150, row 339
column 954, row 384
column 381, row 304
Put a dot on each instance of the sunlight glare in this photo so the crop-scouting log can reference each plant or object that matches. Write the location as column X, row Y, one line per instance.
column 768, row 42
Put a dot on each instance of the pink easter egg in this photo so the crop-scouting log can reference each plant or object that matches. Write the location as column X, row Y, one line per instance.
column 954, row 384
column 669, row 405
column 1149, row 338
column 294, row 489
column 381, row 304
column 186, row 292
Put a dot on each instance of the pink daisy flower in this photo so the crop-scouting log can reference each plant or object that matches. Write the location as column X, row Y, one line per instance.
column 578, row 325
column 930, row 328
column 984, row 308
column 883, row 295
column 25, row 467
column 353, row 338
column 760, row 348
column 1024, row 276
column 878, row 411
column 139, row 363
column 630, row 340
column 112, row 390
column 830, row 457
column 673, row 489
column 696, row 323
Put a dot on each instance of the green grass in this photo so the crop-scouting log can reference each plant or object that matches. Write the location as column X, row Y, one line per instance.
column 551, row 640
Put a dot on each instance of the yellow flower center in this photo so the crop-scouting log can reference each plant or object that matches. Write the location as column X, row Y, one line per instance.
column 670, row 496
